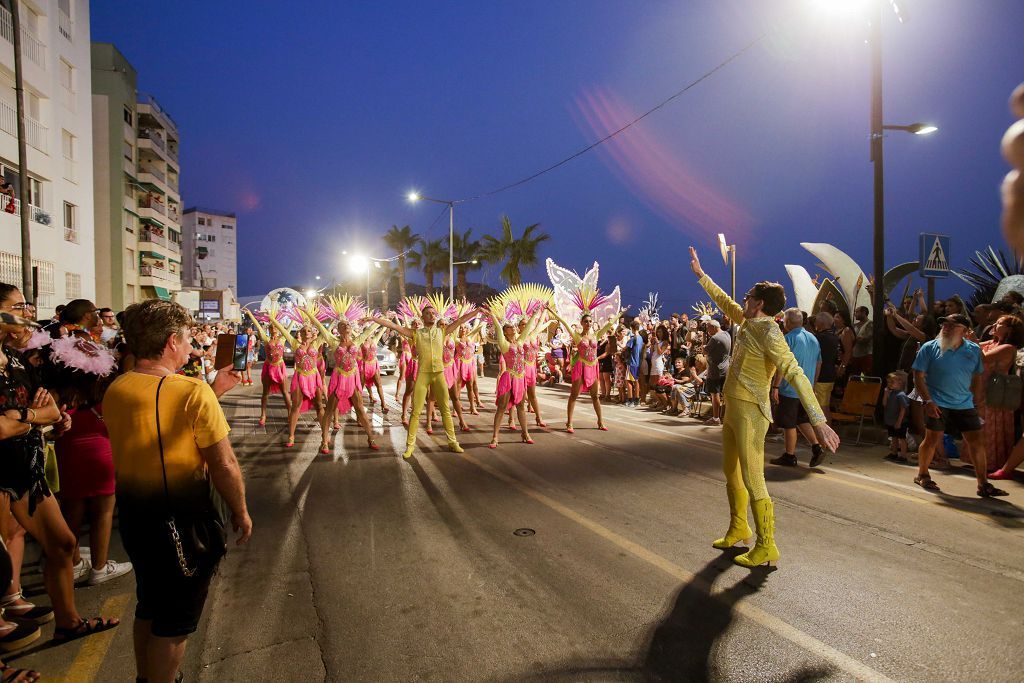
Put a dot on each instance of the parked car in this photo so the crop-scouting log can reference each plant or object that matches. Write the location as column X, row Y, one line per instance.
column 387, row 360
column 289, row 355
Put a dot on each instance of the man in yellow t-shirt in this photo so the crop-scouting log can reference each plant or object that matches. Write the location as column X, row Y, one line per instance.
column 428, row 342
column 187, row 424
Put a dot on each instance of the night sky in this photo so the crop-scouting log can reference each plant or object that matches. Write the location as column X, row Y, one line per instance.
column 313, row 119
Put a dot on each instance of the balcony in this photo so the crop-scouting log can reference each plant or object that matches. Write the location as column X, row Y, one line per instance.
column 31, row 46
column 152, row 139
column 152, row 237
column 65, row 25
column 153, row 171
column 151, row 205
column 35, row 132
column 35, row 213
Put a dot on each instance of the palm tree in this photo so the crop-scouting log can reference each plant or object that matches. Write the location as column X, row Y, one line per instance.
column 431, row 257
column 401, row 240
column 387, row 273
column 514, row 252
column 466, row 251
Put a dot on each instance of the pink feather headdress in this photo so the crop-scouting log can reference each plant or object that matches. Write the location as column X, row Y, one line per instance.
column 83, row 355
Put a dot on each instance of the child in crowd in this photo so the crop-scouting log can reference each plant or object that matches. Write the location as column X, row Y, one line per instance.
column 897, row 410
column 663, row 388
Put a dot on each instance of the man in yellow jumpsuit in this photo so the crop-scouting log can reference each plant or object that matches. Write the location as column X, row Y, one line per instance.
column 428, row 343
column 759, row 351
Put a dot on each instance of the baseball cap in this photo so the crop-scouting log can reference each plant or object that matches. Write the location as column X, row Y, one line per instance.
column 956, row 319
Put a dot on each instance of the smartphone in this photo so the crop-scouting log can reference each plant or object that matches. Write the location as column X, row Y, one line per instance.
column 233, row 350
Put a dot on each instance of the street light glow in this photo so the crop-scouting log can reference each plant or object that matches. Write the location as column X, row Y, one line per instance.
column 310, row 293
column 413, row 197
column 842, row 7
column 358, row 264
column 923, row 129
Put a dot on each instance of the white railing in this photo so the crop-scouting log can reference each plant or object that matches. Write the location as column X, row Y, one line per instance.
column 153, row 171
column 34, row 212
column 10, row 271
column 35, row 132
column 154, row 136
column 148, row 236
column 31, row 46
column 65, row 25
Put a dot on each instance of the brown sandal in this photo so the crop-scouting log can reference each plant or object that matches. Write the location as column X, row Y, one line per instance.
column 86, row 627
column 926, row 483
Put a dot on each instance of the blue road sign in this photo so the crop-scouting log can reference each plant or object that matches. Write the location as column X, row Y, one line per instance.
column 934, row 255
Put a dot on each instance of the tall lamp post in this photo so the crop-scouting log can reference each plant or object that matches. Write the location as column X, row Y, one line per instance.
column 415, row 197
column 878, row 128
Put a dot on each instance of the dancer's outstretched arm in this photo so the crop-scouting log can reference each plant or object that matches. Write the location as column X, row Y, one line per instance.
column 325, row 334
column 499, row 334
column 575, row 335
column 528, row 330
column 731, row 309
column 292, row 343
column 453, row 327
column 384, row 322
column 367, row 333
column 264, row 337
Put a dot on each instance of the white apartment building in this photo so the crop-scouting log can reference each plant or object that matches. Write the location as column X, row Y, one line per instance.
column 58, row 127
column 209, row 249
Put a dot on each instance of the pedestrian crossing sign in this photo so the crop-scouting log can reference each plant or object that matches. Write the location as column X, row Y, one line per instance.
column 934, row 255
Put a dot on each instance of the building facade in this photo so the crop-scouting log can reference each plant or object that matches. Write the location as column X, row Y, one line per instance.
column 210, row 249
column 137, row 177
column 58, row 130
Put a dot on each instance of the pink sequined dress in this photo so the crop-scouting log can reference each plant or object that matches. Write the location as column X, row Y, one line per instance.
column 530, row 350
column 465, row 358
column 403, row 360
column 448, row 355
column 274, row 373
column 345, row 379
column 307, row 378
column 368, row 367
column 585, row 368
column 513, row 379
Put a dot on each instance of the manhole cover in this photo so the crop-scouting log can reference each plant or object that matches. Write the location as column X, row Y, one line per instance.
column 523, row 532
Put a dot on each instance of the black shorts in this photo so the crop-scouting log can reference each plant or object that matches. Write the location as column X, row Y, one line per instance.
column 713, row 385
column 791, row 413
column 953, row 421
column 897, row 432
column 165, row 596
column 658, row 389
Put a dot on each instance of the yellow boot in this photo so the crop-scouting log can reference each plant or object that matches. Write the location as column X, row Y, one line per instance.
column 765, row 550
column 739, row 531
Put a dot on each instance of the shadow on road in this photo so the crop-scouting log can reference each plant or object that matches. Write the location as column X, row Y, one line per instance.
column 681, row 647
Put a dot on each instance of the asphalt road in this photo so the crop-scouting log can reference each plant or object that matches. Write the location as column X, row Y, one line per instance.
column 365, row 567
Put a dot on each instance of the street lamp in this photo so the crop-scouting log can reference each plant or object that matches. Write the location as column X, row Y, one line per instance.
column 729, row 250
column 414, row 197
column 358, row 264
column 878, row 128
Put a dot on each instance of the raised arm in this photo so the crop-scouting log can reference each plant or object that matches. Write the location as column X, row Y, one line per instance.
column 568, row 328
column 325, row 334
column 284, row 332
column 499, row 334
column 730, row 308
column 454, row 326
column 528, row 330
column 384, row 322
column 371, row 330
column 264, row 337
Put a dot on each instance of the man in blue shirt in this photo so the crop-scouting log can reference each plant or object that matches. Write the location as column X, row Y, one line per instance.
column 947, row 376
column 807, row 350
column 635, row 345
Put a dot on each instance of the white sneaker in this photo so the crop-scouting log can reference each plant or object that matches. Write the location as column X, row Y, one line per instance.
column 111, row 570
column 81, row 570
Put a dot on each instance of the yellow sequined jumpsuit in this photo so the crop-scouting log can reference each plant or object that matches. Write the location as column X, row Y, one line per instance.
column 758, row 351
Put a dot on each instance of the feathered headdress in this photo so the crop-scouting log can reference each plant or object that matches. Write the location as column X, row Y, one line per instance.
column 82, row 355
column 708, row 309
column 649, row 312
column 445, row 308
column 575, row 296
column 38, row 340
column 346, row 308
column 530, row 297
column 411, row 308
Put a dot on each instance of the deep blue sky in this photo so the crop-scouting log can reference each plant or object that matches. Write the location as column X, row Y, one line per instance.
column 312, row 119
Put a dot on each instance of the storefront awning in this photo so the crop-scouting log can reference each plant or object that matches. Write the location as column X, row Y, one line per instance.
column 162, row 293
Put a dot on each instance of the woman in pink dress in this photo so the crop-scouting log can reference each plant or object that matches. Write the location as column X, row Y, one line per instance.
column 274, row 376
column 345, row 390
column 512, row 382
column 465, row 365
column 999, row 356
column 584, row 371
column 369, row 368
column 531, row 350
column 307, row 382
column 412, row 367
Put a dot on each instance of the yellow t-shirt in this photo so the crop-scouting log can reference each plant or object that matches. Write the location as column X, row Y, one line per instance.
column 190, row 419
column 430, row 348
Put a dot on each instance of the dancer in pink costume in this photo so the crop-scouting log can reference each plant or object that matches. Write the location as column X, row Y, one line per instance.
column 466, row 366
column 369, row 368
column 512, row 382
column 409, row 311
column 307, row 382
column 531, row 349
column 584, row 370
column 274, row 376
column 345, row 390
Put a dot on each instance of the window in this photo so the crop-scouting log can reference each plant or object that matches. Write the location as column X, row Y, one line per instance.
column 64, row 18
column 32, row 105
column 67, row 143
column 211, row 238
column 202, row 221
column 173, row 267
column 72, row 285
column 129, row 116
column 131, row 259
column 131, row 294
column 35, row 192
column 226, row 226
column 66, row 76
column 70, row 222
column 129, row 151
